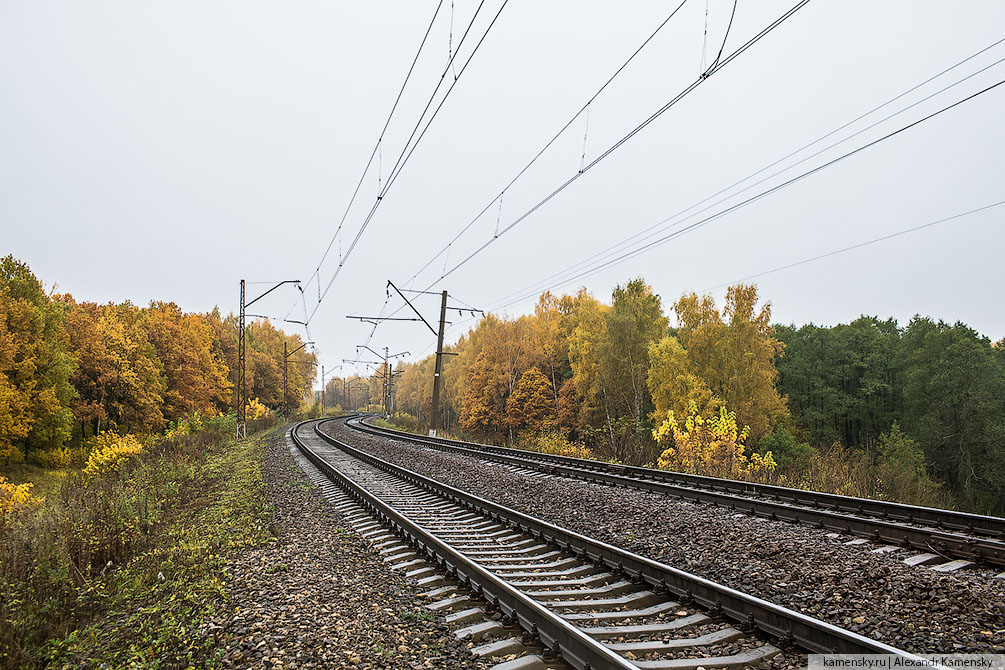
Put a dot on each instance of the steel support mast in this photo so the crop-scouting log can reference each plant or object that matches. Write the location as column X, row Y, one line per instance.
column 434, row 408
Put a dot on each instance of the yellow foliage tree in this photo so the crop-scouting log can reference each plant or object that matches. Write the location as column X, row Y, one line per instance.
column 531, row 404
column 720, row 359
column 110, row 451
column 710, row 446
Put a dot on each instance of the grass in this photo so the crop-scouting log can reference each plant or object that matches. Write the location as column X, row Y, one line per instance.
column 150, row 612
column 47, row 482
column 417, row 615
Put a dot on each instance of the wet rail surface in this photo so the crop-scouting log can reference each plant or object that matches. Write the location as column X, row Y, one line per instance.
column 591, row 604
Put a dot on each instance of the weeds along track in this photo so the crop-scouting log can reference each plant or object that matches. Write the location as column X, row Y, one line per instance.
column 944, row 535
column 590, row 604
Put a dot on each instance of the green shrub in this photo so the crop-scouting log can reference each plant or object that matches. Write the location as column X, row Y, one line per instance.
column 901, row 474
column 789, row 453
column 60, row 457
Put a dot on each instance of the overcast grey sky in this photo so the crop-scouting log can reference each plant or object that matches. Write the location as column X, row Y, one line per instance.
column 165, row 150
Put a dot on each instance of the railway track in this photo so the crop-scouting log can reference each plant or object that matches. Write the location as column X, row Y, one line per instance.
column 943, row 535
column 590, row 604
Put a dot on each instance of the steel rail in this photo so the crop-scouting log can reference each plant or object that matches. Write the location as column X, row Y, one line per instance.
column 572, row 644
column 780, row 622
column 885, row 529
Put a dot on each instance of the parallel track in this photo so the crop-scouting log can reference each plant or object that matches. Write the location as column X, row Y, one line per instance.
column 945, row 532
column 593, row 604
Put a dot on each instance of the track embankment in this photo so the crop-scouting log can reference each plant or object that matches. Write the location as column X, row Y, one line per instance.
column 912, row 608
column 319, row 598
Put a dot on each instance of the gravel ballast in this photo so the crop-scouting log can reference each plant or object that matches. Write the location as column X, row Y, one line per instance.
column 318, row 598
column 912, row 608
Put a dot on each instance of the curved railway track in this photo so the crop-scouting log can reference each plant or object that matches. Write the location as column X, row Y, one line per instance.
column 592, row 604
column 944, row 533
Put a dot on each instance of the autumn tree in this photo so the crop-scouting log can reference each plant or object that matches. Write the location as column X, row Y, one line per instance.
column 35, row 368
column 483, row 410
column 531, row 405
column 505, row 349
column 196, row 376
column 552, row 340
column 414, row 389
column 224, row 346
column 713, row 445
column 717, row 360
column 608, row 354
column 587, row 332
column 634, row 322
column 13, row 405
column 264, row 363
column 119, row 379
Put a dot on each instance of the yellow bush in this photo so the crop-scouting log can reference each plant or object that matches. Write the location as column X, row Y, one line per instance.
column 110, row 451
column 710, row 446
column 552, row 442
column 186, row 425
column 15, row 497
column 256, row 410
column 60, row 457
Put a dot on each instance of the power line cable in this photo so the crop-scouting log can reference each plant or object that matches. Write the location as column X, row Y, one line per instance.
column 860, row 245
column 971, row 57
column 726, row 36
column 550, row 142
column 663, row 224
column 614, row 147
column 376, row 147
column 408, row 151
column 382, row 189
column 711, row 70
column 705, row 221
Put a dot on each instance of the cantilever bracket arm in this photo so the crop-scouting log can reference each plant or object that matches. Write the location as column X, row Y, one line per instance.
column 298, row 349
column 288, row 281
column 375, row 319
column 408, row 302
column 363, row 346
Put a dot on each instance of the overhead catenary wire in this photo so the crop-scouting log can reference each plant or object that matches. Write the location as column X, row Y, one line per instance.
column 804, row 261
column 725, row 37
column 849, row 248
column 818, row 169
column 390, row 181
column 376, row 147
column 549, row 143
column 732, row 208
column 575, row 270
column 859, row 245
column 618, row 144
column 382, row 189
column 407, row 151
column 608, row 151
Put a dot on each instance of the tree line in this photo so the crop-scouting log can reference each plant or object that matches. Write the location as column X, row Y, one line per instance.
column 71, row 370
column 352, row 392
column 914, row 413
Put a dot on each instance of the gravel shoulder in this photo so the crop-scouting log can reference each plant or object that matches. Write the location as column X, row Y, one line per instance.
column 915, row 609
column 317, row 598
